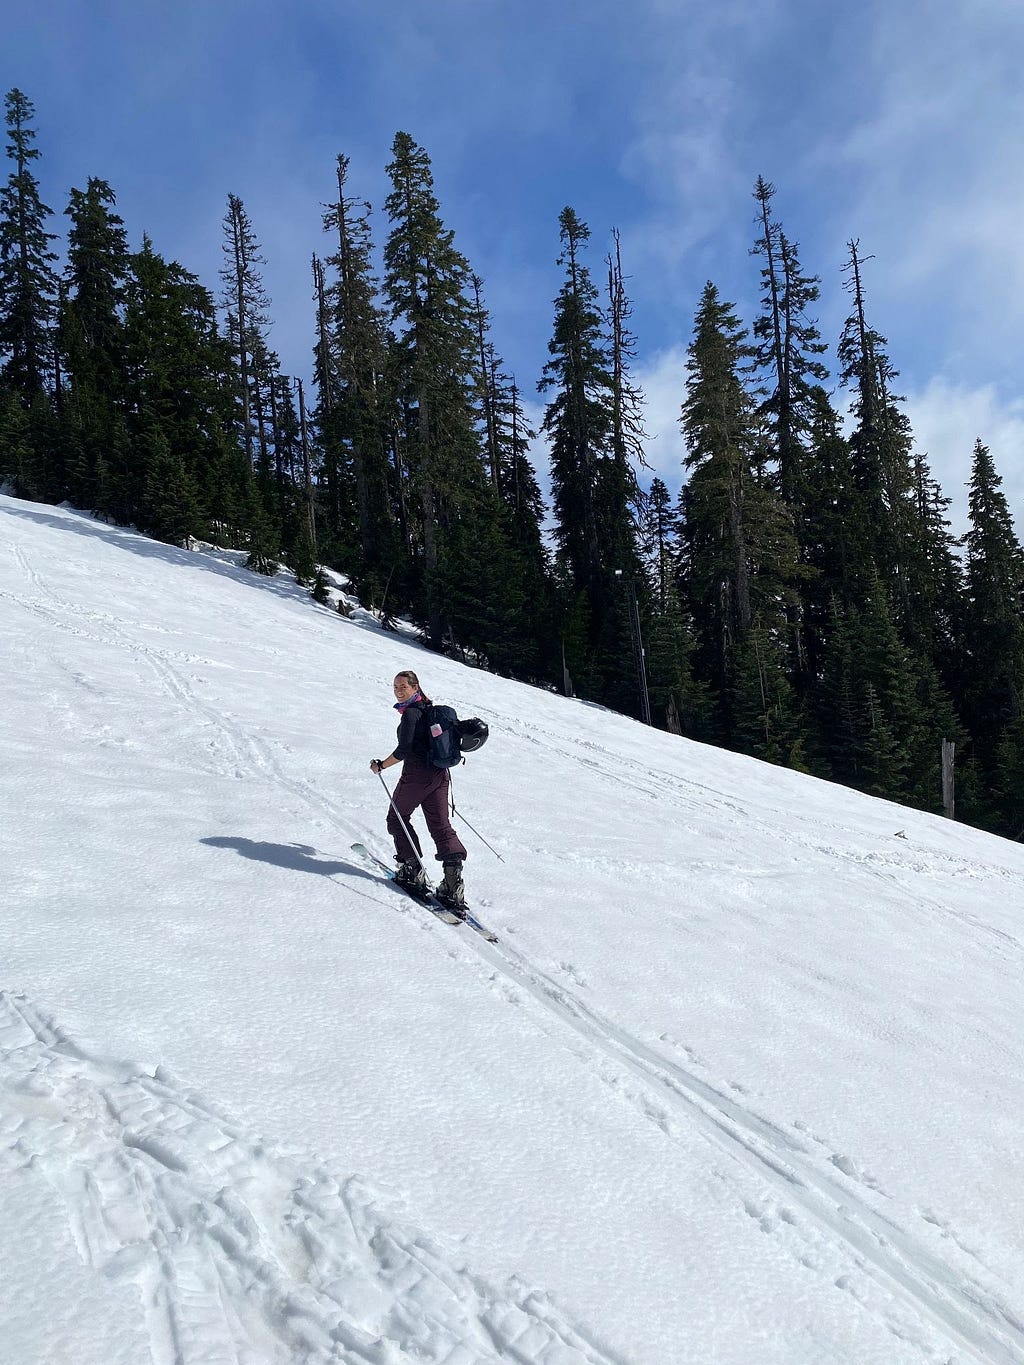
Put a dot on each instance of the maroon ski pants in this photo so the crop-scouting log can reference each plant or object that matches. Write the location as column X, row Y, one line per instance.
column 426, row 788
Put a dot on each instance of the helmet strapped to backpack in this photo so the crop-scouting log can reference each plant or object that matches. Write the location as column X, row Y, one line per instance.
column 473, row 733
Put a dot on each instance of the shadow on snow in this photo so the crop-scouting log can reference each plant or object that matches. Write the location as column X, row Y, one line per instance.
column 294, row 857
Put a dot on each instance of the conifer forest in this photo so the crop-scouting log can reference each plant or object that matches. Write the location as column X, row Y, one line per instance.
column 804, row 600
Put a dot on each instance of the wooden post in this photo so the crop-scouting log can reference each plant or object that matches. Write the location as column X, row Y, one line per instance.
column 675, row 725
column 948, row 779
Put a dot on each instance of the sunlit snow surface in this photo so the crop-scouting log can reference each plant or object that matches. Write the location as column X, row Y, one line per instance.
column 741, row 1084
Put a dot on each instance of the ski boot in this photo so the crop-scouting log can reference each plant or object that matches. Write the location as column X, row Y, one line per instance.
column 451, row 893
column 411, row 877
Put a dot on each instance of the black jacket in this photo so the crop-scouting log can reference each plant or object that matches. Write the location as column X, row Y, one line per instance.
column 413, row 734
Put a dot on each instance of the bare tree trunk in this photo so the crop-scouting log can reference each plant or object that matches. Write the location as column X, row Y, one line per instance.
column 672, row 722
column 261, row 418
column 948, row 779
column 306, row 470
column 235, row 206
column 278, row 441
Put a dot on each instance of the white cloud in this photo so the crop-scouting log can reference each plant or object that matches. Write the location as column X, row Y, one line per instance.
column 683, row 155
column 662, row 377
column 947, row 418
column 937, row 182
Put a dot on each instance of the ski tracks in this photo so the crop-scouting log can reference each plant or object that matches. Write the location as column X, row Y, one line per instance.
column 820, row 1199
column 243, row 1254
column 216, row 742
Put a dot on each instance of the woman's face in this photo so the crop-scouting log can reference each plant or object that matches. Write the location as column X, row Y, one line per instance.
column 403, row 688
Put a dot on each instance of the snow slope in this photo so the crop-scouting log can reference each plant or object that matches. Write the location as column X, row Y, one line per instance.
column 742, row 1082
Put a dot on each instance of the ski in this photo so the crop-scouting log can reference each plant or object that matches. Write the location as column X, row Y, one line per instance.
column 479, row 927
column 434, row 906
column 424, row 898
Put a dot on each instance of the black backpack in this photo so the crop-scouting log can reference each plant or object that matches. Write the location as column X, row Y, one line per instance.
column 450, row 737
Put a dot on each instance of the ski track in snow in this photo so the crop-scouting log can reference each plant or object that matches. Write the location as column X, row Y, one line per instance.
column 802, row 1187
column 887, row 867
column 243, row 1254
column 239, row 1250
column 960, row 1310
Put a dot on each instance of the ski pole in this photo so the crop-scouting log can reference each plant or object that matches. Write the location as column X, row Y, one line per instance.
column 478, row 835
column 405, row 827
column 459, row 813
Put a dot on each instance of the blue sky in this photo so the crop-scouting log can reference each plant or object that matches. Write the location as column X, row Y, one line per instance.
column 898, row 122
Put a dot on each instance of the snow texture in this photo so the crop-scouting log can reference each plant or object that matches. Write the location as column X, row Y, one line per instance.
column 741, row 1083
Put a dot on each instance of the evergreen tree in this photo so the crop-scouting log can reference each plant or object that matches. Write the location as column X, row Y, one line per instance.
column 303, row 558
column 169, row 510
column 738, row 552
column 787, row 344
column 577, row 421
column 889, row 676
column 488, row 367
column 532, row 639
column 627, row 427
column 881, row 452
column 28, row 285
column 937, row 574
column 433, row 378
column 495, row 567
column 247, row 306
column 1008, row 786
column 92, row 339
column 18, row 467
column 994, row 624
column 717, row 427
column 678, row 701
column 828, row 533
column 884, row 762
column 764, row 720
column 656, row 541
column 594, row 428
column 261, row 537
column 786, row 353
column 320, row 590
column 883, row 711
column 179, row 386
column 485, row 598
column 516, row 477
column 353, row 411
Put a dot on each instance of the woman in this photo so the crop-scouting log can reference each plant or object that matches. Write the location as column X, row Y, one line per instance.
column 421, row 786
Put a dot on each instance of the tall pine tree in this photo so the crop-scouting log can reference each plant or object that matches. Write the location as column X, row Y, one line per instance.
column 738, row 550
column 787, row 351
column 28, row 285
column 353, row 410
column 92, row 339
column 434, row 377
column 994, row 627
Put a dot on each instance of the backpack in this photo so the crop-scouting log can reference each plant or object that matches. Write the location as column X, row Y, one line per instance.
column 450, row 737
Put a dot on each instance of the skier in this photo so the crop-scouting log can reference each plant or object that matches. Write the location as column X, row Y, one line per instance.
column 421, row 786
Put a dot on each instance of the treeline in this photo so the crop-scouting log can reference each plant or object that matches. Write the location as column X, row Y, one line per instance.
column 804, row 600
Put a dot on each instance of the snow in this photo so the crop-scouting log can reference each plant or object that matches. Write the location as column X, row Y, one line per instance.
column 741, row 1082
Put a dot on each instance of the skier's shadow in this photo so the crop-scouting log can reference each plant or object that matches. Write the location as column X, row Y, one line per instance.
column 294, row 857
